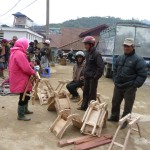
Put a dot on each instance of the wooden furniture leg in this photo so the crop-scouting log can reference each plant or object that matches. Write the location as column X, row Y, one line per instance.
column 60, row 85
column 98, row 98
column 95, row 125
column 29, row 82
column 102, row 119
column 49, row 87
column 86, row 117
column 79, row 103
column 132, row 122
column 34, row 92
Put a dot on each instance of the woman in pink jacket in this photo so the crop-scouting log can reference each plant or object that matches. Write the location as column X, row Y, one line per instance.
column 19, row 73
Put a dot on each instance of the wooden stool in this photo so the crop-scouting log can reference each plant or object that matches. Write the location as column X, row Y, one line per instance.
column 62, row 101
column 33, row 94
column 62, row 122
column 61, row 85
column 93, row 119
column 131, row 123
column 48, row 84
column 59, row 102
column 43, row 95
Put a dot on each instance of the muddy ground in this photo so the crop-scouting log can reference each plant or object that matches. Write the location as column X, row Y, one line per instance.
column 35, row 135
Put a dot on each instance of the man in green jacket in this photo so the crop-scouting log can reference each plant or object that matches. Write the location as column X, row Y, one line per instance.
column 129, row 74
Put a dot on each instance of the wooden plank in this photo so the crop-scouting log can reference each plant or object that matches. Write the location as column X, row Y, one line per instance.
column 85, row 140
column 63, row 143
column 28, row 83
column 92, row 144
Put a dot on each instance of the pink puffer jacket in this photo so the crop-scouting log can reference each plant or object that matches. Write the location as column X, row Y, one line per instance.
column 19, row 67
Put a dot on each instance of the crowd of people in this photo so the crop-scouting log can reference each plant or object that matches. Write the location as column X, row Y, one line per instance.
column 36, row 52
column 129, row 73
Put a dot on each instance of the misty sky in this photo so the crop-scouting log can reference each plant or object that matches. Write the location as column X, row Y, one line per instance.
column 62, row 10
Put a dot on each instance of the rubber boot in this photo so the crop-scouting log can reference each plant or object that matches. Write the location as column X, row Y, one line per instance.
column 21, row 113
column 27, row 110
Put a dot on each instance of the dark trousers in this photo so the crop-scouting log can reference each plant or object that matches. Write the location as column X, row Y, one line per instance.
column 128, row 94
column 1, row 72
column 89, row 92
column 72, row 87
column 25, row 102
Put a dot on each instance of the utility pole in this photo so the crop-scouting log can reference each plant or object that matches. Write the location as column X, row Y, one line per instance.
column 47, row 19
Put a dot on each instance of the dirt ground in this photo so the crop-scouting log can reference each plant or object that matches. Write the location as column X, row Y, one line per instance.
column 35, row 134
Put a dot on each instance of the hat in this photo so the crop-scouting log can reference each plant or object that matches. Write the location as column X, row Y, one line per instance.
column 47, row 42
column 4, row 41
column 36, row 41
column 31, row 43
column 129, row 41
column 14, row 38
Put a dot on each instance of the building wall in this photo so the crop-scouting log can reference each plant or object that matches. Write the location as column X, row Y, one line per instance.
column 31, row 37
column 28, row 23
column 9, row 34
column 20, row 20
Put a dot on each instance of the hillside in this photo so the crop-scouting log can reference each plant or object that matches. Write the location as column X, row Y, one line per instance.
column 88, row 22
column 85, row 22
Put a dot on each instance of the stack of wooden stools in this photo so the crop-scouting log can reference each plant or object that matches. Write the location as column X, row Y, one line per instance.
column 92, row 122
column 61, row 103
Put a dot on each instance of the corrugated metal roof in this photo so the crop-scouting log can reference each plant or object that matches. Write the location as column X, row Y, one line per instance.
column 76, row 45
column 94, row 31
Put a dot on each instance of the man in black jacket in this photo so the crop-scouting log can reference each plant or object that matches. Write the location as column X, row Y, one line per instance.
column 129, row 74
column 93, row 71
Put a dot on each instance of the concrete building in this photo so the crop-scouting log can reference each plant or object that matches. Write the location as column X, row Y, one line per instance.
column 21, row 28
column 22, row 21
column 8, row 33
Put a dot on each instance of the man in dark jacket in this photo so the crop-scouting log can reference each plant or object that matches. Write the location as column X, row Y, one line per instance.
column 129, row 74
column 93, row 71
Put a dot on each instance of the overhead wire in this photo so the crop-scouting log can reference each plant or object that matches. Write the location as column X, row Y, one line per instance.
column 21, row 9
column 28, row 5
column 11, row 8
